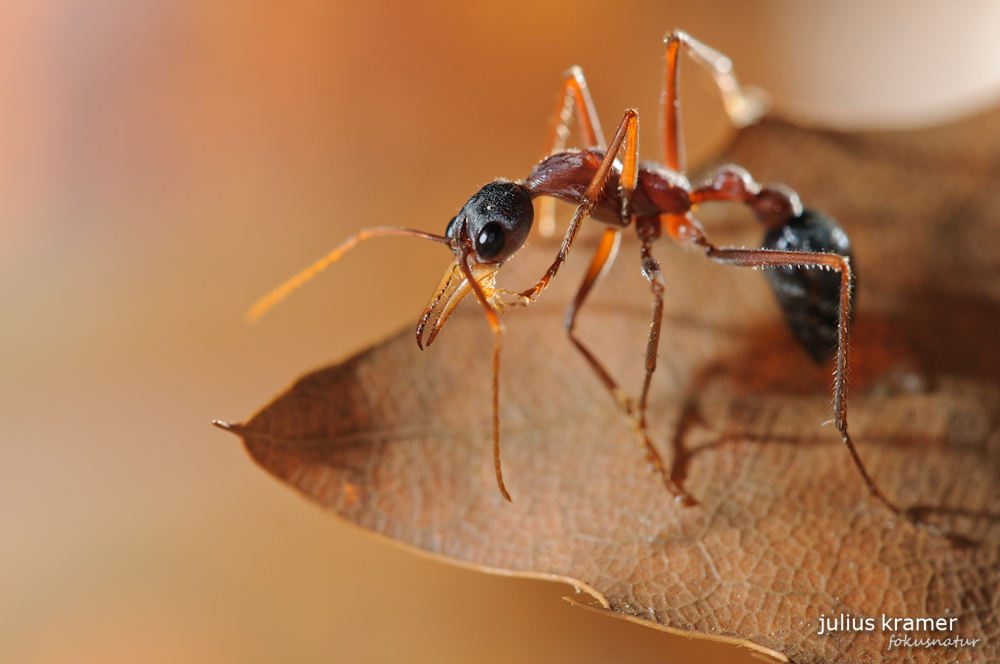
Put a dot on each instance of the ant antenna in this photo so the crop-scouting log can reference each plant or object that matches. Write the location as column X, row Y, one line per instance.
column 262, row 305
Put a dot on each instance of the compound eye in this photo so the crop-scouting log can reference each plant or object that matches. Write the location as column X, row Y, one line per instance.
column 489, row 242
column 450, row 230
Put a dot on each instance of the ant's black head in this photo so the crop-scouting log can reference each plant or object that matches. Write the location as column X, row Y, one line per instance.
column 496, row 219
column 488, row 230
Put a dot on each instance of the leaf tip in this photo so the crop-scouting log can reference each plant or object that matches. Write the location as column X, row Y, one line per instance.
column 229, row 426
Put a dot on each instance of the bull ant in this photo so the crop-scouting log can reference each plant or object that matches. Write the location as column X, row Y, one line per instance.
column 809, row 253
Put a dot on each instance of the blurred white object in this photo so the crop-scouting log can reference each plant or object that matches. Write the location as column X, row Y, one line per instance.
column 869, row 64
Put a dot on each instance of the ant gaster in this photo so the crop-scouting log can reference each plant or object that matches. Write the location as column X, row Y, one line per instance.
column 810, row 254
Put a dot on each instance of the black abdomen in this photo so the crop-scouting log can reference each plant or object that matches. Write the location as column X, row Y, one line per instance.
column 810, row 297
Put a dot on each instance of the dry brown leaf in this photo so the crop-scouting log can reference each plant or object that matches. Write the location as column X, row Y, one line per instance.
column 398, row 440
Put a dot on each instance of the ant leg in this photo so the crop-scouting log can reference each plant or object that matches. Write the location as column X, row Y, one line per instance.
column 497, row 328
column 603, row 258
column 775, row 206
column 602, row 261
column 744, row 106
column 626, row 137
column 765, row 258
column 651, row 270
column 572, row 93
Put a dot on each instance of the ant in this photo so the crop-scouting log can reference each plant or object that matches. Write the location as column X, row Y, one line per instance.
column 810, row 254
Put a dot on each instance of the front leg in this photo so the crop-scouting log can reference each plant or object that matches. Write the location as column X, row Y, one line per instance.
column 626, row 139
column 497, row 328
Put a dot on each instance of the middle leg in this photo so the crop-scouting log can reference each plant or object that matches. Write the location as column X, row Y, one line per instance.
column 743, row 105
column 635, row 414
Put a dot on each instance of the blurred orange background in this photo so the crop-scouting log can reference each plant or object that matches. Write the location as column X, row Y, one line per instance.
column 163, row 164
